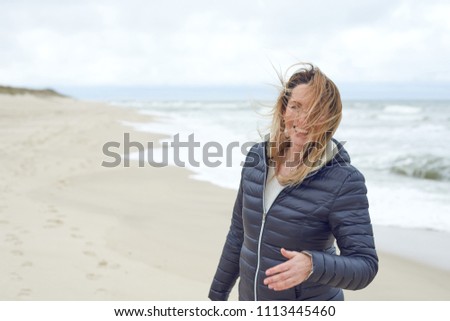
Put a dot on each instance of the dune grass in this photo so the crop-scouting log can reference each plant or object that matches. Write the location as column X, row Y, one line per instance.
column 47, row 92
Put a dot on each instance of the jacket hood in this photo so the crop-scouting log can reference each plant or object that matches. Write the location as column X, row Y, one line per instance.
column 341, row 155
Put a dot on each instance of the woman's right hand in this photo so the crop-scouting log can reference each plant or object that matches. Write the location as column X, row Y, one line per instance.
column 291, row 273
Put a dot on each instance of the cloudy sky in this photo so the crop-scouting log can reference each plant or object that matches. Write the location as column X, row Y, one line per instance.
column 402, row 45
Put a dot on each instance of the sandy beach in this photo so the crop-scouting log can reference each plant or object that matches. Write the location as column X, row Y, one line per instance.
column 71, row 229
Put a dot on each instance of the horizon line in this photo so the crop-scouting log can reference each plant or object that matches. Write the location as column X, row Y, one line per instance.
column 349, row 91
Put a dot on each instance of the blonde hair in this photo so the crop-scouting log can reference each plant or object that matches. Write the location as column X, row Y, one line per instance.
column 323, row 116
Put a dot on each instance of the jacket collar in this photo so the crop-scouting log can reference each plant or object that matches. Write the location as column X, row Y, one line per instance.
column 335, row 153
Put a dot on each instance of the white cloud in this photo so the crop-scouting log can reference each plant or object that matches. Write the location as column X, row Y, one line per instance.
column 217, row 42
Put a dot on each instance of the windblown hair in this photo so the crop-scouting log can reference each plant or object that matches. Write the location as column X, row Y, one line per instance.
column 323, row 116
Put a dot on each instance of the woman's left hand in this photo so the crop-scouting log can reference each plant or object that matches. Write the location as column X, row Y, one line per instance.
column 290, row 273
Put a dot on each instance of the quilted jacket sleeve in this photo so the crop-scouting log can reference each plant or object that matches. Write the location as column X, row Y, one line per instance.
column 357, row 264
column 228, row 269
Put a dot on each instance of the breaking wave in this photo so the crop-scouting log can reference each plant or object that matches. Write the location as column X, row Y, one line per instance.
column 423, row 166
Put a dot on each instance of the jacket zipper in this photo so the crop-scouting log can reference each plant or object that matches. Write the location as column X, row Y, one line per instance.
column 255, row 285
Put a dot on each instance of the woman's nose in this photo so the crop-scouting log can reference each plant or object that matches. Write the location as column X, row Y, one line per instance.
column 299, row 120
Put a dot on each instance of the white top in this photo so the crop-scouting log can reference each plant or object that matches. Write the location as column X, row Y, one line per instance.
column 273, row 187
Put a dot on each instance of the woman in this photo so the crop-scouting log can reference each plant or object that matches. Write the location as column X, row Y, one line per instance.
column 298, row 194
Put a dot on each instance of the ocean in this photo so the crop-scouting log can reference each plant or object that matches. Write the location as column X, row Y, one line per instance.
column 399, row 146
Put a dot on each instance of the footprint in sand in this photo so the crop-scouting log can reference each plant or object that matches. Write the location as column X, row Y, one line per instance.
column 76, row 236
column 16, row 277
column 24, row 292
column 93, row 276
column 3, row 222
column 12, row 239
column 27, row 264
column 16, row 252
column 62, row 183
column 105, row 264
column 89, row 253
column 101, row 291
column 53, row 223
column 75, row 233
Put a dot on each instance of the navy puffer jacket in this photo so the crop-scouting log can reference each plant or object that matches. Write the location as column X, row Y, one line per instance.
column 330, row 204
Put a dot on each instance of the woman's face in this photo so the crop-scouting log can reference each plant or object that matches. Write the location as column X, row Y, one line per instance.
column 294, row 116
